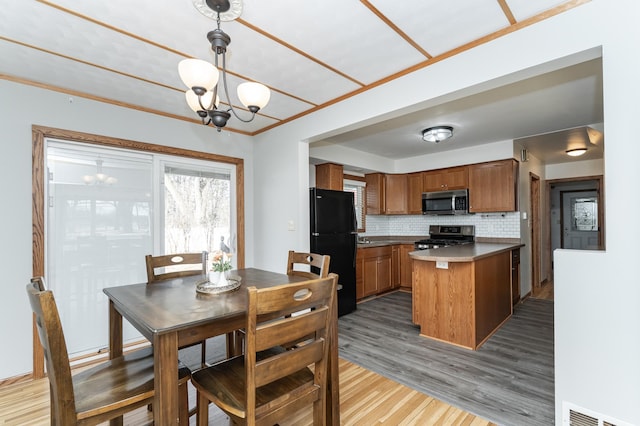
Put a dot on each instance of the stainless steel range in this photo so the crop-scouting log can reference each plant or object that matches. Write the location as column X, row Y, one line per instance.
column 447, row 235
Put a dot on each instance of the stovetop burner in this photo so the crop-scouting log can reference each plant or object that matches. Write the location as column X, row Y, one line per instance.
column 449, row 235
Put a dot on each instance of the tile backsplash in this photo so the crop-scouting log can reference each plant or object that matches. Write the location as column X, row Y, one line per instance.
column 489, row 225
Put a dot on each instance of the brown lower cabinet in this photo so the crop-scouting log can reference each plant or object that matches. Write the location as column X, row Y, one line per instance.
column 515, row 276
column 405, row 266
column 373, row 271
column 462, row 302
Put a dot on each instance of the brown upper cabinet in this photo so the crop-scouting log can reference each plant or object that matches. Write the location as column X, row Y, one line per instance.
column 493, row 186
column 445, row 179
column 330, row 176
column 396, row 194
column 375, row 193
column 414, row 193
column 386, row 193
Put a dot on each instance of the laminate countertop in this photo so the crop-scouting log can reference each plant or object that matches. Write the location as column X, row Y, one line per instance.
column 389, row 241
column 463, row 253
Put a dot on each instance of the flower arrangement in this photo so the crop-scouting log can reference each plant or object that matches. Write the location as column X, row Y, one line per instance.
column 221, row 262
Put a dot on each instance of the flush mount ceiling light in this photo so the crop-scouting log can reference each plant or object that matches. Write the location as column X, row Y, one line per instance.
column 437, row 134
column 201, row 77
column 576, row 152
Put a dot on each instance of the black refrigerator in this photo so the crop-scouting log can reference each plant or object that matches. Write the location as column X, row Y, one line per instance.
column 334, row 232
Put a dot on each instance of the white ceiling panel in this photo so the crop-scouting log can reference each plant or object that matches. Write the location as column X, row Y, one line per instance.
column 309, row 53
column 440, row 26
column 83, row 78
column 523, row 9
column 346, row 36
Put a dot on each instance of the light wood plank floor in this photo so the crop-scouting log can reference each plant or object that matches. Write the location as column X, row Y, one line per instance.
column 366, row 398
column 545, row 292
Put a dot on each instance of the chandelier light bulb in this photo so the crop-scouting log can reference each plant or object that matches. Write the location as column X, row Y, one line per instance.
column 253, row 94
column 194, row 103
column 198, row 73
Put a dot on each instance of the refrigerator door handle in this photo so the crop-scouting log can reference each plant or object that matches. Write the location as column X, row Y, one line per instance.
column 355, row 253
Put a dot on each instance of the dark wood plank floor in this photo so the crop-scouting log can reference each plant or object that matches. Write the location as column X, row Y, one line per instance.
column 509, row 380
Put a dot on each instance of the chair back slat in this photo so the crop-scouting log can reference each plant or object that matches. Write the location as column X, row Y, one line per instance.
column 286, row 363
column 308, row 265
column 188, row 264
column 290, row 330
column 51, row 336
column 293, row 297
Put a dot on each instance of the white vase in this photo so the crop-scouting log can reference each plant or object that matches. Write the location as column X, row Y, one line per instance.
column 218, row 278
column 214, row 276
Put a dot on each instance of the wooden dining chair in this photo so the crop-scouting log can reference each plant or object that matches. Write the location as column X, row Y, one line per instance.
column 102, row 392
column 308, row 265
column 189, row 264
column 269, row 384
column 313, row 265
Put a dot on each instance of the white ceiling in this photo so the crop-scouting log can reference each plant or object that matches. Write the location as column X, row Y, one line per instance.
column 311, row 54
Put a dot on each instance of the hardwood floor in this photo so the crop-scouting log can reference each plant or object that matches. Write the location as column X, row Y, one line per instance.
column 509, row 380
column 545, row 292
column 366, row 398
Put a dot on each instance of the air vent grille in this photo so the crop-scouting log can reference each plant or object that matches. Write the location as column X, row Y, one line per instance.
column 572, row 415
column 580, row 419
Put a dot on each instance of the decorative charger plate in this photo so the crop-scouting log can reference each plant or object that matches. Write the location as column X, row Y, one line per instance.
column 207, row 287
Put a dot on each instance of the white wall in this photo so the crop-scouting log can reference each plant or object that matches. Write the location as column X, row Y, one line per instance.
column 576, row 35
column 575, row 169
column 21, row 107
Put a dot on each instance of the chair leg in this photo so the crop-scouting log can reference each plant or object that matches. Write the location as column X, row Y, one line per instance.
column 203, row 410
column 183, row 399
column 239, row 342
column 235, row 343
column 203, row 356
column 231, row 345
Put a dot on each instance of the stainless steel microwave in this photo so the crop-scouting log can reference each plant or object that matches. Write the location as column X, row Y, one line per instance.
column 446, row 202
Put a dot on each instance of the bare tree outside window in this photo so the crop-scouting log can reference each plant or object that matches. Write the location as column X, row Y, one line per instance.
column 197, row 211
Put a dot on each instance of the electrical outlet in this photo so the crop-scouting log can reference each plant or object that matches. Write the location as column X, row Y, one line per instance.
column 291, row 226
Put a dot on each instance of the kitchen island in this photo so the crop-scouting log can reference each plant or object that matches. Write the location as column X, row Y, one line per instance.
column 462, row 294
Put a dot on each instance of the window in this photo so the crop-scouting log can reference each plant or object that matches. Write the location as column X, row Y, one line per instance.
column 107, row 208
column 197, row 209
column 358, row 189
column 584, row 214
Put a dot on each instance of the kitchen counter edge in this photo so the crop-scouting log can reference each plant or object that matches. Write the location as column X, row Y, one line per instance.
column 463, row 253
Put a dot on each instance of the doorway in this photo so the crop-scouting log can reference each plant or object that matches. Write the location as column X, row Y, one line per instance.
column 576, row 216
column 534, row 202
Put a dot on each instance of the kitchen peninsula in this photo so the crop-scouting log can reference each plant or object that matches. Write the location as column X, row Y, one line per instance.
column 462, row 294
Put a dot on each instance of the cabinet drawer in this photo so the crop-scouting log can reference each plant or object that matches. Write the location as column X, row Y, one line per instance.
column 374, row 252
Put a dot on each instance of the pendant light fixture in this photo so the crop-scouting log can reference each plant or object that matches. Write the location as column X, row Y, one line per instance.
column 437, row 134
column 202, row 77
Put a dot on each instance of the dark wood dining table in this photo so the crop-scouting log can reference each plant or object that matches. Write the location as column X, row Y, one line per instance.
column 171, row 315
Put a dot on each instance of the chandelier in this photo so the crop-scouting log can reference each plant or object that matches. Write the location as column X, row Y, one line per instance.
column 201, row 77
column 99, row 178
